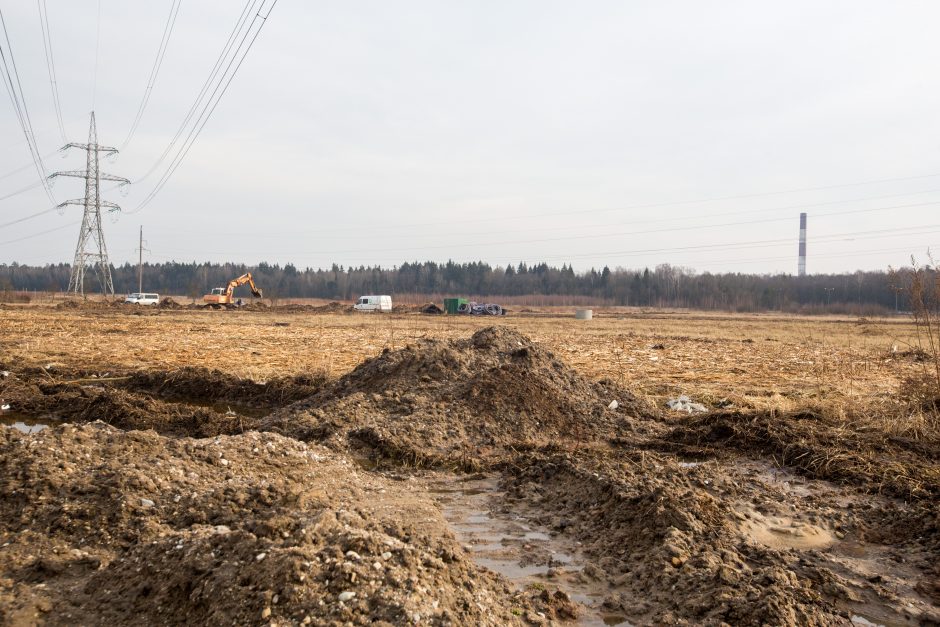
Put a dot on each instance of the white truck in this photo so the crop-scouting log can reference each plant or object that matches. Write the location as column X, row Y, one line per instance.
column 373, row 303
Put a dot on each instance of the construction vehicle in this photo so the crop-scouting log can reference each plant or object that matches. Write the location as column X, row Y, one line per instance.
column 222, row 296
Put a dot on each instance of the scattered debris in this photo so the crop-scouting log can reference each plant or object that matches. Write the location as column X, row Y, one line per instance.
column 431, row 308
column 684, row 403
column 481, row 309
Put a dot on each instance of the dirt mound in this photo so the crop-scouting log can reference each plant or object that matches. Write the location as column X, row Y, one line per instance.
column 455, row 401
column 93, row 305
column 820, row 449
column 684, row 543
column 102, row 525
column 333, row 307
column 168, row 303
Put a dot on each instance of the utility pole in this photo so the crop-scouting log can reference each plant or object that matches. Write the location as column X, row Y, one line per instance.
column 829, row 291
column 91, row 221
column 897, row 291
column 140, row 262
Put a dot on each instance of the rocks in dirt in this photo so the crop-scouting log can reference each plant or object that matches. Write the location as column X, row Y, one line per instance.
column 75, row 547
column 684, row 403
column 456, row 401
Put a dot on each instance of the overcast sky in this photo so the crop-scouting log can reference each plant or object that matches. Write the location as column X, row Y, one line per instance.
column 619, row 133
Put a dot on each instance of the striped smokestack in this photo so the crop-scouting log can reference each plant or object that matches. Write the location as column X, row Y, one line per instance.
column 802, row 267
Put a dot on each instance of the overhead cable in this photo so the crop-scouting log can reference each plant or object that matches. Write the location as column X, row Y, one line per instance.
column 213, row 101
column 33, row 235
column 157, row 63
column 202, row 92
column 50, row 64
column 18, row 98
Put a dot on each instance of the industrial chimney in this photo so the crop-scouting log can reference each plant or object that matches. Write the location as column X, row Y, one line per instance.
column 802, row 267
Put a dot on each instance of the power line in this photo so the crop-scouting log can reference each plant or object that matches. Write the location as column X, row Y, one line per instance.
column 683, row 218
column 22, row 111
column 446, row 246
column 50, row 63
column 21, row 190
column 157, row 63
column 25, row 167
column 751, row 243
column 94, row 82
column 208, row 111
column 850, row 236
column 26, row 237
column 29, row 217
column 203, row 90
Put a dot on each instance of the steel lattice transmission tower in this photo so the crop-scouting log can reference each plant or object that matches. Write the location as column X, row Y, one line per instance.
column 91, row 232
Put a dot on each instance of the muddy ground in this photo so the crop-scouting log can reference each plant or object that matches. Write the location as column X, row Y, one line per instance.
column 471, row 481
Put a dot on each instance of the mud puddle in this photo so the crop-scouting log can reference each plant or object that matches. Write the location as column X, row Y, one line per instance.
column 25, row 422
column 526, row 554
column 229, row 409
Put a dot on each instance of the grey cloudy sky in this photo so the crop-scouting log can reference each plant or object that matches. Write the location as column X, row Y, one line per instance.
column 620, row 133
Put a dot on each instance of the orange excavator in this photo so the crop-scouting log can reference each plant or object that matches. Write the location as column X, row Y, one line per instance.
column 222, row 296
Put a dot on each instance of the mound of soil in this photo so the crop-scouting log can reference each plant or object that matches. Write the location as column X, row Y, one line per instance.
column 169, row 303
column 333, row 307
column 103, row 527
column 453, row 402
column 689, row 543
column 819, row 449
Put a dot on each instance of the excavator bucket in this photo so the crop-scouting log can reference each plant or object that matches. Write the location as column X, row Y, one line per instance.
column 256, row 293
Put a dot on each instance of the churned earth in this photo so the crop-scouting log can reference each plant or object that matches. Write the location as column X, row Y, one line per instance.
column 449, row 482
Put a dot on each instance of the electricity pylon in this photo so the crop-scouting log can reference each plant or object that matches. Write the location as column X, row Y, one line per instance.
column 91, row 222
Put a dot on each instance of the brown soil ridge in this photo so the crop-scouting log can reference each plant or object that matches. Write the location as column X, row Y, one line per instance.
column 821, row 449
column 676, row 543
column 463, row 401
column 100, row 525
column 195, row 402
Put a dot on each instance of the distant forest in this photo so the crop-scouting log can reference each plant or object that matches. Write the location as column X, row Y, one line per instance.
column 662, row 286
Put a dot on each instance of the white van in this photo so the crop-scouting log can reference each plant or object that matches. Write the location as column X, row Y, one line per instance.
column 142, row 299
column 373, row 303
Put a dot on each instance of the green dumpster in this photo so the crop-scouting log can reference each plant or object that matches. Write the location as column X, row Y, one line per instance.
column 451, row 304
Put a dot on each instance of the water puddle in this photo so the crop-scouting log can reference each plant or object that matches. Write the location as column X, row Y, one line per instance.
column 25, row 422
column 230, row 409
column 513, row 547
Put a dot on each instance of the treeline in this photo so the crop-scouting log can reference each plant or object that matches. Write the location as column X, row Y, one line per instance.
column 662, row 286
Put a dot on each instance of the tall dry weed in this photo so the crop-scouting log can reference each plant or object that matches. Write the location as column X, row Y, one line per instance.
column 923, row 283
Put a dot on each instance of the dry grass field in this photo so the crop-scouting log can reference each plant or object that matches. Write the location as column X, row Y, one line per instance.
column 766, row 361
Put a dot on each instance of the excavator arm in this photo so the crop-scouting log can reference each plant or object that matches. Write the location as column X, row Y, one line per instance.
column 245, row 278
column 222, row 296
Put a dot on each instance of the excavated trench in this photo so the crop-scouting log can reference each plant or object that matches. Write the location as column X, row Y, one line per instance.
column 529, row 555
column 194, row 402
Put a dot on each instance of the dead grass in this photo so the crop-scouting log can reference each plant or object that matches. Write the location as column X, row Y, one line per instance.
column 773, row 363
